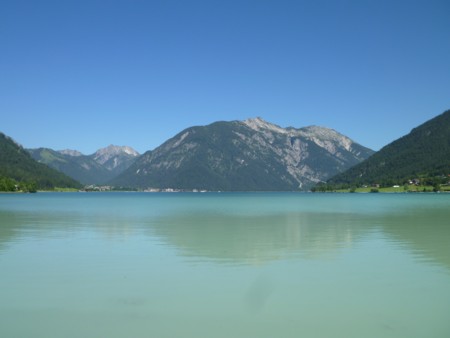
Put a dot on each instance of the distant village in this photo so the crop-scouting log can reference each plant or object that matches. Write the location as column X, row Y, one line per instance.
column 104, row 188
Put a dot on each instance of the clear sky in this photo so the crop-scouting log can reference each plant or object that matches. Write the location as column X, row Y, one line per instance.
column 86, row 74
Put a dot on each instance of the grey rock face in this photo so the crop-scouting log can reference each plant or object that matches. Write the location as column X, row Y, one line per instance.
column 245, row 155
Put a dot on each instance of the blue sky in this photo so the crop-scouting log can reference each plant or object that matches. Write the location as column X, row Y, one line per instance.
column 86, row 74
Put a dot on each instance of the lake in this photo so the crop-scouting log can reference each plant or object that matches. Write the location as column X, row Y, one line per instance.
column 224, row 265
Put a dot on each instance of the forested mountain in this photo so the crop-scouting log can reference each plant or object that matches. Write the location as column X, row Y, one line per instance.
column 17, row 167
column 98, row 168
column 424, row 152
column 82, row 168
column 242, row 156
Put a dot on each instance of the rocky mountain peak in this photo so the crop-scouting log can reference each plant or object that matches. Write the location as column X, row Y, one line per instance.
column 113, row 157
column 247, row 155
column 97, row 168
column 104, row 154
column 258, row 124
column 326, row 136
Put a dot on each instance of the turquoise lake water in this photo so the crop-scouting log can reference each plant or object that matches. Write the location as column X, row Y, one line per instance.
column 224, row 265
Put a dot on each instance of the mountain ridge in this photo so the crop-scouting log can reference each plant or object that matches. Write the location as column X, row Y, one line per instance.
column 255, row 154
column 244, row 155
column 425, row 151
column 16, row 165
column 97, row 168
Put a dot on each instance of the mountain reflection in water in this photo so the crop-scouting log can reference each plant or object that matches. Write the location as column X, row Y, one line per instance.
column 256, row 239
column 224, row 265
column 252, row 230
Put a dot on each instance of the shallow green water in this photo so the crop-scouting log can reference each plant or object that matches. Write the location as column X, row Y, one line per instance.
column 225, row 265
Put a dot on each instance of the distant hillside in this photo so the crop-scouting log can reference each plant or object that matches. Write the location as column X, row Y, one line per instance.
column 81, row 168
column 244, row 155
column 16, row 164
column 424, row 152
column 98, row 168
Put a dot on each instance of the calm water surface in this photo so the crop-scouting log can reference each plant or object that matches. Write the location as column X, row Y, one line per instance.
column 224, row 265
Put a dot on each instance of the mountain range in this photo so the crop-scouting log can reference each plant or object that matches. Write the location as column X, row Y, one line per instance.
column 17, row 168
column 97, row 168
column 250, row 155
